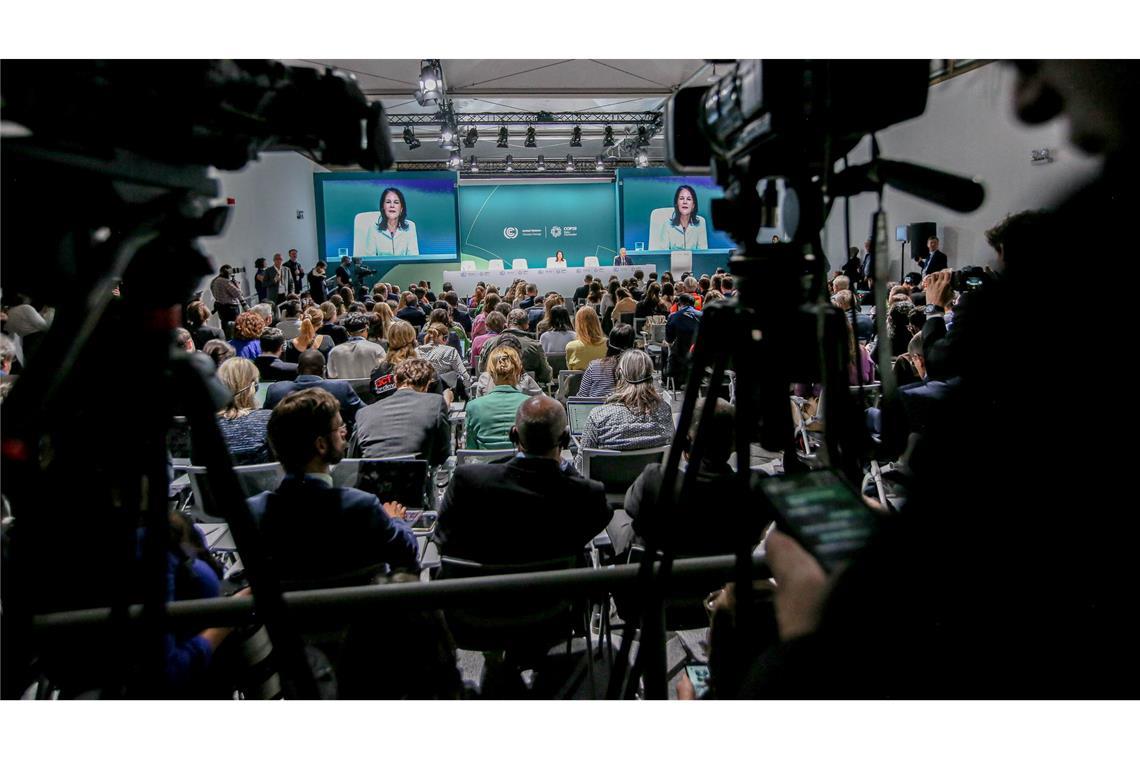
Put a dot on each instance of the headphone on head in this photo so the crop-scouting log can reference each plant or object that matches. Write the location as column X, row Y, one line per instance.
column 563, row 440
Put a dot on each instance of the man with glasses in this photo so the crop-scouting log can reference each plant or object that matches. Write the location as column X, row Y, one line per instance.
column 314, row 530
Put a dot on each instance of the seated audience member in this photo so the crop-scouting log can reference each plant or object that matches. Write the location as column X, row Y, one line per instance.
column 635, row 416
column 712, row 297
column 594, row 297
column 533, row 357
column 219, row 350
column 539, row 314
column 489, row 417
column 668, row 296
column 411, row 420
column 266, row 311
column 728, row 286
column 898, row 327
column 589, row 342
column 382, row 318
column 526, row 384
column 247, row 334
column 460, row 314
column 475, row 302
column 196, row 316
column 309, row 337
column 241, row 422
column 314, row 530
column 625, row 305
column 864, row 325
column 840, row 284
column 311, row 374
column 680, row 332
column 356, row 357
column 860, row 367
column 651, row 304
column 583, row 290
column 559, row 331
column 184, row 340
column 716, row 483
column 454, row 335
column 290, row 324
column 443, row 357
column 563, row 511
column 269, row 363
column 411, row 312
column 402, row 345
column 531, row 295
column 494, row 324
column 479, row 326
column 329, row 324
column 600, row 377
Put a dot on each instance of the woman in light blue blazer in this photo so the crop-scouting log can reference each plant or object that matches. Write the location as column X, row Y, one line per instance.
column 685, row 230
column 393, row 234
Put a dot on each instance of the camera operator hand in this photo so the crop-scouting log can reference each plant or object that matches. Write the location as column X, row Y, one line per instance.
column 937, row 288
column 801, row 586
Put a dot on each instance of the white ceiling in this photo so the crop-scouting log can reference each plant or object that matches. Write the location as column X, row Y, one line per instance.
column 492, row 86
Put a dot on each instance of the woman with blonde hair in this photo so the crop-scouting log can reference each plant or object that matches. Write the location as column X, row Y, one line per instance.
column 490, row 417
column 590, row 343
column 403, row 344
column 247, row 334
column 242, row 424
column 328, row 324
column 635, row 416
column 378, row 331
column 308, row 337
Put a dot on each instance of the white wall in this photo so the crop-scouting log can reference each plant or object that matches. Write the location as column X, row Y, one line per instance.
column 969, row 129
column 269, row 192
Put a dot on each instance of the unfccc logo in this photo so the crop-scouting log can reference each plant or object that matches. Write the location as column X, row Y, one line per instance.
column 510, row 233
column 555, row 232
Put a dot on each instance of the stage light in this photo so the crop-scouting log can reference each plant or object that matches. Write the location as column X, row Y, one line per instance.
column 431, row 82
column 509, row 163
column 471, row 137
column 504, row 135
column 529, row 143
column 576, row 138
column 600, row 164
column 642, row 158
column 540, row 164
column 474, row 165
column 454, row 162
column 410, row 138
column 608, row 141
column 448, row 136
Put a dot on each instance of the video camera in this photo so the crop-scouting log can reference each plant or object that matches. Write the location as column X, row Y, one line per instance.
column 968, row 279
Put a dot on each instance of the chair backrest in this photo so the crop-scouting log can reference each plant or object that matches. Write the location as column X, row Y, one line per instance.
column 481, row 456
column 363, row 388
column 550, row 262
column 467, row 266
column 360, row 225
column 400, row 478
column 626, row 317
column 638, row 325
column 495, row 264
column 591, row 261
column 519, row 264
column 569, row 381
column 618, row 469
column 557, row 362
column 253, row 478
column 657, row 332
column 508, row 625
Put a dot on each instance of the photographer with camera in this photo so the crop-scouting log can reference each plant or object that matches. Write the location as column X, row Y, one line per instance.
column 227, row 296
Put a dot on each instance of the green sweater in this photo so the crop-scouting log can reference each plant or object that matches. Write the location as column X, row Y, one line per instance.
column 491, row 416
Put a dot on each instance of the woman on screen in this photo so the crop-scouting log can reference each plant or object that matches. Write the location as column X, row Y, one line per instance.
column 393, row 234
column 685, row 230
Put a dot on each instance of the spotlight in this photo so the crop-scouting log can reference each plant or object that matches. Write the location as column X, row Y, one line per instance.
column 540, row 164
column 509, row 163
column 471, row 137
column 576, row 138
column 642, row 136
column 600, row 164
column 504, row 135
column 473, row 166
column 642, row 158
column 608, row 141
column 448, row 136
column 454, row 162
column 410, row 138
column 529, row 143
column 431, row 82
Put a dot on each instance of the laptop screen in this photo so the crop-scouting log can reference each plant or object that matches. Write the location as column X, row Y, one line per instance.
column 579, row 412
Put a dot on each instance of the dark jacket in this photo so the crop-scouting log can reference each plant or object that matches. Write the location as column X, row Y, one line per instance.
column 413, row 315
column 554, row 512
column 336, row 332
column 314, row 531
column 272, row 369
column 349, row 401
column 406, row 422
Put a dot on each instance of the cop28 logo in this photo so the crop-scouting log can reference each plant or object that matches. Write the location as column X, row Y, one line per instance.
column 555, row 232
column 510, row 233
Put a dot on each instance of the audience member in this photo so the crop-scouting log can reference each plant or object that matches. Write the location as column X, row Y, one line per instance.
column 247, row 334
column 494, row 324
column 533, row 357
column 402, row 346
column 218, row 350
column 311, row 374
column 269, row 363
column 600, row 377
column 316, row 280
column 625, row 305
column 290, row 324
column 356, row 357
column 410, row 420
column 651, row 304
column 242, row 424
column 583, row 290
column 490, row 416
column 227, row 296
column 589, row 342
column 196, row 316
column 182, row 339
column 411, row 312
column 444, row 358
column 313, row 530
column 681, row 332
column 330, row 316
column 562, row 511
column 308, row 338
column 559, row 331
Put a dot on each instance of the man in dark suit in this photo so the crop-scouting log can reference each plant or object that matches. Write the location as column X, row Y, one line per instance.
column 311, row 374
column 935, row 259
column 313, row 530
column 531, row 295
column 412, row 313
column 583, row 290
column 622, row 259
column 269, row 364
column 555, row 510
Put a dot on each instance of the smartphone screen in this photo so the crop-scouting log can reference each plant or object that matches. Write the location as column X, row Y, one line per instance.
column 821, row 511
column 699, row 675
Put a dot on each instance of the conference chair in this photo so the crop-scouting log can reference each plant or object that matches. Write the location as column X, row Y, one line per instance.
column 253, row 479
column 591, row 261
column 519, row 264
column 569, row 381
column 482, row 456
column 360, row 226
column 467, row 266
column 626, row 317
column 557, row 362
column 363, row 388
column 617, row 470
column 495, row 265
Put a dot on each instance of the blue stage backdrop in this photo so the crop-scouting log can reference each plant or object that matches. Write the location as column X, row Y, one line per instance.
column 532, row 221
column 648, row 194
column 348, row 213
